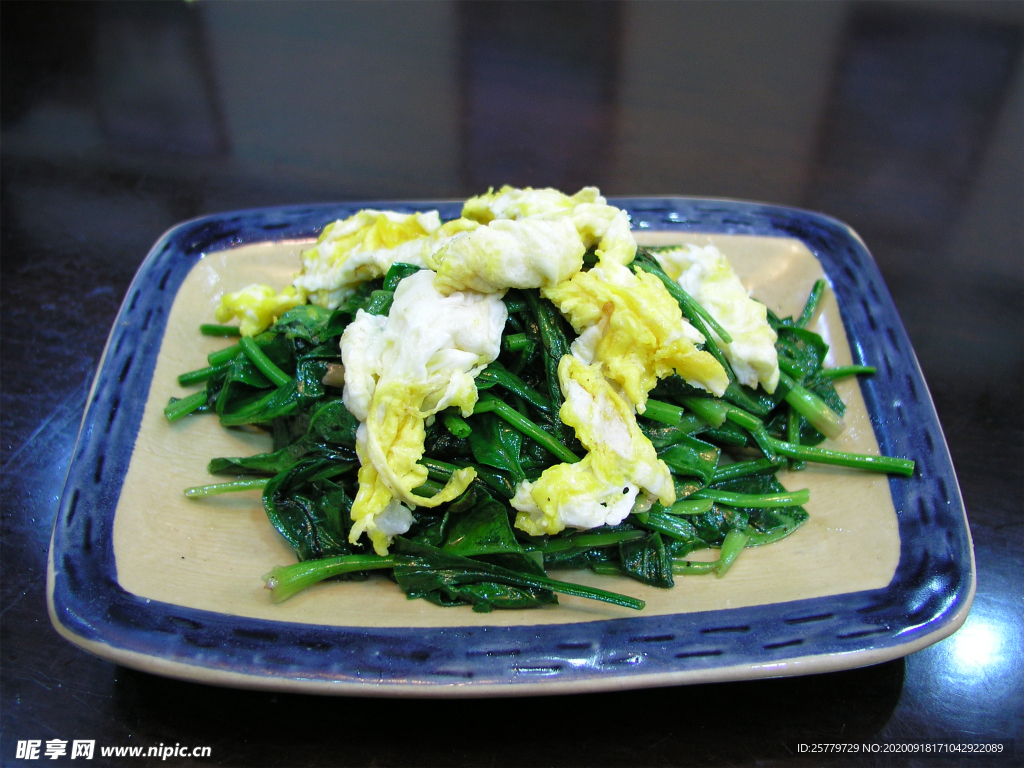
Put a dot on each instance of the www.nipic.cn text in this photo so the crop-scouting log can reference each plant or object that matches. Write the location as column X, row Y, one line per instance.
column 85, row 749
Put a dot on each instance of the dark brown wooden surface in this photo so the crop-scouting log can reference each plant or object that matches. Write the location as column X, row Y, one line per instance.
column 905, row 120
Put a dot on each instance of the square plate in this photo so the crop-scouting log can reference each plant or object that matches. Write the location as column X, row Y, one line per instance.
column 140, row 575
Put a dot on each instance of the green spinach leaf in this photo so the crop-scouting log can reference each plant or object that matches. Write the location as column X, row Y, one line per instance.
column 330, row 433
column 308, row 322
column 496, row 444
column 397, row 272
column 448, row 579
column 646, row 560
column 692, row 457
column 482, row 530
column 311, row 513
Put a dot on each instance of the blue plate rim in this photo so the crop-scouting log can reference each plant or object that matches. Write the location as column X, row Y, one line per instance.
column 928, row 598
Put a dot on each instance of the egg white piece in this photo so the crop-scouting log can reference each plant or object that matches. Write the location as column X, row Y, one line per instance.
column 608, row 505
column 527, row 202
column 630, row 323
column 707, row 276
column 621, row 462
column 440, row 341
column 365, row 245
column 598, row 223
column 399, row 370
column 362, row 345
column 394, row 520
column 604, row 421
column 509, row 254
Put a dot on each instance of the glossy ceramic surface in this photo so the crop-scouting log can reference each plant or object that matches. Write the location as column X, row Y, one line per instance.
column 209, row 554
column 926, row 599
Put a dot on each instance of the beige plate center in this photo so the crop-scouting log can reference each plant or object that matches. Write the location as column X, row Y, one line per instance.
column 210, row 554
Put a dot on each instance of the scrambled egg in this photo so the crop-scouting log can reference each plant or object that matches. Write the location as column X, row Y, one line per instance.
column 364, row 246
column 597, row 224
column 535, row 238
column 347, row 253
column 445, row 326
column 531, row 239
column 258, row 307
column 423, row 357
column 509, row 254
column 620, row 462
column 632, row 325
column 512, row 203
column 707, row 276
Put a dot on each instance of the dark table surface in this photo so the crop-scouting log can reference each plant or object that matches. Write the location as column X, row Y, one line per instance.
column 905, row 121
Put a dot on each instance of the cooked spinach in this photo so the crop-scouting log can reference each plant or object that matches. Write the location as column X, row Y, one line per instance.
column 467, row 552
column 497, row 444
column 647, row 560
column 310, row 509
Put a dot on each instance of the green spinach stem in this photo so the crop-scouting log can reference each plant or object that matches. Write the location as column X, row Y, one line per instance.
column 224, row 355
column 202, row 491
column 197, row 377
column 177, row 409
column 886, row 464
column 527, row 427
column 265, row 365
column 286, row 580
column 842, row 371
column 812, row 408
column 208, row 329
column 666, row 413
column 754, row 500
column 812, row 304
column 734, row 542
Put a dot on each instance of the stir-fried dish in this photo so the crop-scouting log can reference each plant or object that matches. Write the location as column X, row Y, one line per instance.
column 472, row 404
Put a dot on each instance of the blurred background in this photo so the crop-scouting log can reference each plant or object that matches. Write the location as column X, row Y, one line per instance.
column 906, row 120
